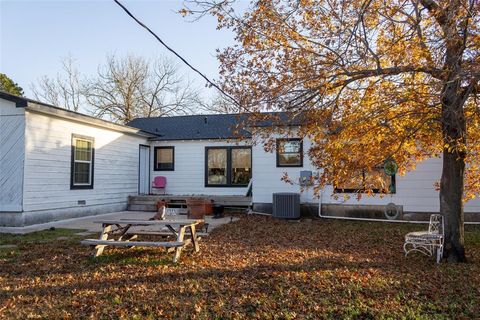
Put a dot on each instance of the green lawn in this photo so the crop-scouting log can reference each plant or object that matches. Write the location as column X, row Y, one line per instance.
column 253, row 268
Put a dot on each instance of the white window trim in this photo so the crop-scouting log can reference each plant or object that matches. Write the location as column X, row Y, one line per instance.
column 75, row 139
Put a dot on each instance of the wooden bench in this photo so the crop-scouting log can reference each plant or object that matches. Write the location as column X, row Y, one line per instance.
column 128, row 243
column 163, row 234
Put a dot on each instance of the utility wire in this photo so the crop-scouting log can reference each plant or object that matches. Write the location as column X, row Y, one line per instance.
column 178, row 55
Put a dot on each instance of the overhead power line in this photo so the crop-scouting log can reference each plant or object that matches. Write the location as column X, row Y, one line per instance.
column 213, row 84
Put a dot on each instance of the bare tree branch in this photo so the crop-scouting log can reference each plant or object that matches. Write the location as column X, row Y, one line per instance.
column 65, row 90
column 135, row 87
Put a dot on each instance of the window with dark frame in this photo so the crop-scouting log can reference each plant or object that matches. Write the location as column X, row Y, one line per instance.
column 228, row 166
column 375, row 180
column 289, row 152
column 164, row 159
column 82, row 161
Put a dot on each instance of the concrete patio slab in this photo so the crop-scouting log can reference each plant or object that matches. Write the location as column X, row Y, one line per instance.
column 90, row 226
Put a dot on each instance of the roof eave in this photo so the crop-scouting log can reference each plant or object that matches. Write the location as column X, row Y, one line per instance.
column 44, row 108
column 71, row 115
column 20, row 102
column 199, row 139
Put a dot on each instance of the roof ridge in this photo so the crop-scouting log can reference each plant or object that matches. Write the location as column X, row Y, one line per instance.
column 208, row 115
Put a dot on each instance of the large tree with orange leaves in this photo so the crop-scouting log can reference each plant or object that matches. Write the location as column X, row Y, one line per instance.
column 378, row 79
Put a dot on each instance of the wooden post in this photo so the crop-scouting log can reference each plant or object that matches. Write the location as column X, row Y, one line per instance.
column 103, row 236
column 178, row 250
column 194, row 237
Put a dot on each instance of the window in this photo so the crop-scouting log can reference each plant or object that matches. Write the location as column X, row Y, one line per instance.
column 289, row 153
column 83, row 154
column 164, row 159
column 375, row 180
column 217, row 166
column 228, row 166
column 241, row 166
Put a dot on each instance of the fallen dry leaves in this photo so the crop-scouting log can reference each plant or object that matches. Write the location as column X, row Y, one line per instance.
column 256, row 267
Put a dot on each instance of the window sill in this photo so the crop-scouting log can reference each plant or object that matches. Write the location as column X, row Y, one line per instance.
column 289, row 166
column 81, row 187
column 226, row 185
column 361, row 191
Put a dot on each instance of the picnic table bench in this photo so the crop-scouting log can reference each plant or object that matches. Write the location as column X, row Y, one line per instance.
column 118, row 232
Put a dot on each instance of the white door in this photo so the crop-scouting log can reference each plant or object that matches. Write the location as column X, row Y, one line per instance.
column 144, row 170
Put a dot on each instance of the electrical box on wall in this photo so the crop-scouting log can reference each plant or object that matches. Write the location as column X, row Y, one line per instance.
column 305, row 178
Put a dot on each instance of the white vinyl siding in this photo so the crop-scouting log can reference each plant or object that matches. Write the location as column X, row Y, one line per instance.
column 415, row 190
column 189, row 175
column 48, row 166
column 267, row 177
column 12, row 154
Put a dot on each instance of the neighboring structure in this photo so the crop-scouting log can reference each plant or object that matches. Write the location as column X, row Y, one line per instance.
column 57, row 164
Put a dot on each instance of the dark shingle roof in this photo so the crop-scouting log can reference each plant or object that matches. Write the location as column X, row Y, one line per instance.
column 194, row 127
column 198, row 127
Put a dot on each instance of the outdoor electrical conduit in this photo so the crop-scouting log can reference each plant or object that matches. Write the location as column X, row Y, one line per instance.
column 369, row 219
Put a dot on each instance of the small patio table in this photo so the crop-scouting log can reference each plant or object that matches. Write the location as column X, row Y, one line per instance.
column 117, row 233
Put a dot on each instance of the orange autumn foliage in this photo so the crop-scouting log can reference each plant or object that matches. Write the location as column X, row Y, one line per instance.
column 374, row 79
column 368, row 75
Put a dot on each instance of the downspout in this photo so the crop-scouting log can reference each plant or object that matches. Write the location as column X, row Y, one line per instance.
column 320, row 198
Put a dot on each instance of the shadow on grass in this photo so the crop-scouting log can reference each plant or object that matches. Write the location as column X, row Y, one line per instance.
column 38, row 236
column 176, row 273
column 16, row 244
column 130, row 257
column 9, row 253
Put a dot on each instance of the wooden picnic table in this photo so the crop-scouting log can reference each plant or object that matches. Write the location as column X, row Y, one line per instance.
column 117, row 232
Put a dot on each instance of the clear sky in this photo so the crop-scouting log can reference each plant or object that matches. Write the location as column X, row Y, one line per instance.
column 35, row 35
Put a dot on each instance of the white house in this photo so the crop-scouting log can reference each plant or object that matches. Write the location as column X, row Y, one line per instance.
column 57, row 164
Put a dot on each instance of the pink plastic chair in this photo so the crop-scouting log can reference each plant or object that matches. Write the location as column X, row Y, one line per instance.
column 159, row 182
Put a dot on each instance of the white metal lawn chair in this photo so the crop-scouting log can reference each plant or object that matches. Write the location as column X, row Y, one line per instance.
column 427, row 242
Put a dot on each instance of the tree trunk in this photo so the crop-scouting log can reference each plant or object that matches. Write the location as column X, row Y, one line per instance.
column 454, row 132
column 451, row 205
column 452, row 181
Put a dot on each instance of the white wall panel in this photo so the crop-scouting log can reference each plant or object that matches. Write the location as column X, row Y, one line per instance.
column 415, row 190
column 12, row 154
column 189, row 175
column 48, row 161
